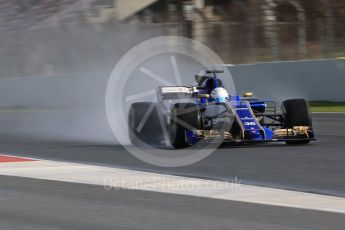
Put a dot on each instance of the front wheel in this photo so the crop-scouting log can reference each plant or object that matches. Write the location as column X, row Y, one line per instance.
column 296, row 112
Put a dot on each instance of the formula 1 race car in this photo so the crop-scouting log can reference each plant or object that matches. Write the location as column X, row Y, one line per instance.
column 183, row 116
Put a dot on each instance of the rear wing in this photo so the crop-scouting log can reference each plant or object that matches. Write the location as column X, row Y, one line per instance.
column 175, row 92
column 215, row 71
column 210, row 73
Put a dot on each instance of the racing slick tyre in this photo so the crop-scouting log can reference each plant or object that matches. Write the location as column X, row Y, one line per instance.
column 296, row 113
column 144, row 128
column 184, row 116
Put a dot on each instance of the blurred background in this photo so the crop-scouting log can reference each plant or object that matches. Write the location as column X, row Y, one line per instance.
column 53, row 37
column 56, row 56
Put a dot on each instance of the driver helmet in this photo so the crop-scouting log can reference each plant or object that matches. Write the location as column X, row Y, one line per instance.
column 219, row 95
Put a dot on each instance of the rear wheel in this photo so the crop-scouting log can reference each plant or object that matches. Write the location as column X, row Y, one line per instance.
column 184, row 116
column 296, row 113
column 143, row 123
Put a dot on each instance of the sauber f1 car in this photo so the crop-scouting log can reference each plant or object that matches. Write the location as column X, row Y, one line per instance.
column 183, row 116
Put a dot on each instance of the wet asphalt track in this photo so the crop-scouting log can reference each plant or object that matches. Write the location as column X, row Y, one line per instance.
column 318, row 167
column 37, row 204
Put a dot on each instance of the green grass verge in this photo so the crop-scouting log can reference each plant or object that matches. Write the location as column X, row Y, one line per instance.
column 327, row 106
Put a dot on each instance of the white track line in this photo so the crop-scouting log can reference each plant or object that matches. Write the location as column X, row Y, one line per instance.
column 114, row 178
